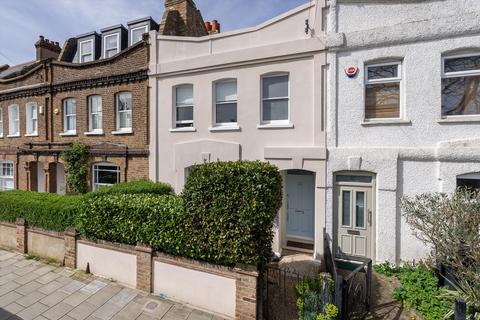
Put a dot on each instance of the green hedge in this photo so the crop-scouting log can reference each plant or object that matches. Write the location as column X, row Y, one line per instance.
column 230, row 208
column 43, row 210
column 134, row 187
column 130, row 219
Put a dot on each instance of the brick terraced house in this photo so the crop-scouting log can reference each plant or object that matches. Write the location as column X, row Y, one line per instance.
column 94, row 90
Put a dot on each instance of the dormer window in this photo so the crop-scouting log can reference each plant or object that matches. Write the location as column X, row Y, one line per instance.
column 86, row 51
column 137, row 33
column 111, row 45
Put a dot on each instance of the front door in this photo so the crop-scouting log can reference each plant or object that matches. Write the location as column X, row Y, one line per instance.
column 300, row 206
column 354, row 220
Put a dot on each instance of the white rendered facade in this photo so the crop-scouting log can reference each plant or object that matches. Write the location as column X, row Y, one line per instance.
column 421, row 150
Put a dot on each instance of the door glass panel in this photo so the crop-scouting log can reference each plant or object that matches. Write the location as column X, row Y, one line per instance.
column 360, row 210
column 346, row 208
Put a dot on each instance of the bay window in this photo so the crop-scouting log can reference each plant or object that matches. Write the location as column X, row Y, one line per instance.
column 6, row 175
column 105, row 174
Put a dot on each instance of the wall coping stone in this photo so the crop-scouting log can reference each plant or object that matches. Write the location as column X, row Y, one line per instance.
column 124, row 248
column 53, row 234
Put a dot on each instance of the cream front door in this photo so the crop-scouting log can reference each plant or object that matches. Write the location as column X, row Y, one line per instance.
column 354, row 221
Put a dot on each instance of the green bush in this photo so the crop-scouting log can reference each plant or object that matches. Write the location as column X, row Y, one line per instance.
column 313, row 303
column 76, row 163
column 130, row 219
column 43, row 210
column 419, row 291
column 229, row 211
column 134, row 187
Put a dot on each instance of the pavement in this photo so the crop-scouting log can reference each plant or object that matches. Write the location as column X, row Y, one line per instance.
column 34, row 290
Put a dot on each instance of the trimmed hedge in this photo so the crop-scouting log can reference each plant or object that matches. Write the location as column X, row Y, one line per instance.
column 230, row 208
column 43, row 210
column 134, row 187
column 133, row 218
column 224, row 216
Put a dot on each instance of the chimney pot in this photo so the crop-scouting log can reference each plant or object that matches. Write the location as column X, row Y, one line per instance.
column 208, row 26
column 42, row 38
column 215, row 27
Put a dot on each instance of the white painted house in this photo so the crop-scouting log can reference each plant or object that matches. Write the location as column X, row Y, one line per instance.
column 407, row 122
column 251, row 94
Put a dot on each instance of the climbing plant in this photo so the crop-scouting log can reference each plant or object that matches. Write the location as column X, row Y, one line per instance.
column 76, row 163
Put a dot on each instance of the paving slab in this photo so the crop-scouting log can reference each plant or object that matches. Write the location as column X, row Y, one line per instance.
column 32, row 290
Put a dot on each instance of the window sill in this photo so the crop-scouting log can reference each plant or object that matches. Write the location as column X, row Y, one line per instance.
column 94, row 133
column 187, row 129
column 276, row 126
column 120, row 132
column 224, row 128
column 385, row 122
column 68, row 134
column 31, row 135
column 13, row 136
column 459, row 119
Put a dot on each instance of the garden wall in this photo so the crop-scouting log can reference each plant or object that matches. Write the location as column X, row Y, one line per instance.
column 228, row 292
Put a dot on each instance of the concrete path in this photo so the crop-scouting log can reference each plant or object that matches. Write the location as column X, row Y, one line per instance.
column 32, row 290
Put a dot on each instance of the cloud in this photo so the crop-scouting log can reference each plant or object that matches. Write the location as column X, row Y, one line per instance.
column 21, row 22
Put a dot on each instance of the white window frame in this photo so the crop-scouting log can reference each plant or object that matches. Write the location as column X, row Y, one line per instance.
column 145, row 27
column 96, row 185
column 117, row 112
column 117, row 35
column 459, row 74
column 4, row 178
column 11, row 121
column 192, row 122
column 262, row 99
column 1, row 122
column 91, row 114
column 81, row 53
column 66, row 131
column 216, row 103
column 398, row 79
column 31, row 126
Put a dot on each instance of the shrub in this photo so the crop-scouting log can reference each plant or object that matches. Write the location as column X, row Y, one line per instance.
column 134, row 187
column 419, row 291
column 130, row 219
column 315, row 297
column 229, row 211
column 76, row 163
column 449, row 224
column 43, row 210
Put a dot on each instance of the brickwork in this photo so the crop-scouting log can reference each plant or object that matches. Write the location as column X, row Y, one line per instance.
column 246, row 301
column 182, row 18
column 34, row 77
column 70, row 259
column 21, row 235
column 144, row 268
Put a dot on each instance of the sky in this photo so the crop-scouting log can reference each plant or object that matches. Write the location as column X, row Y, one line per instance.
column 22, row 21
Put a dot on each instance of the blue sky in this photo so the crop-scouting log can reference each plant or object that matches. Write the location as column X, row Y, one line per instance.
column 22, row 21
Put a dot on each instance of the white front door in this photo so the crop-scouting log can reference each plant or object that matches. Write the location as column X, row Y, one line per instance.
column 354, row 221
column 300, row 206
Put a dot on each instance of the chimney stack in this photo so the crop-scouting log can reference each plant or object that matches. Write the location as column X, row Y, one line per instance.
column 182, row 18
column 4, row 67
column 47, row 49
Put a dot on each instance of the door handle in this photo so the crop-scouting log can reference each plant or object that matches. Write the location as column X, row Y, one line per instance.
column 299, row 211
column 370, row 217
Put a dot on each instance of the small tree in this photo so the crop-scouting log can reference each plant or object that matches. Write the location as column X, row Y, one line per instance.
column 76, row 163
column 450, row 225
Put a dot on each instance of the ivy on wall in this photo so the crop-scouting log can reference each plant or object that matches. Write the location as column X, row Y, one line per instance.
column 76, row 163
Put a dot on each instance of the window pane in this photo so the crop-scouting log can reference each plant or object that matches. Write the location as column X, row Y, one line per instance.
column 110, row 53
column 86, row 47
column 382, row 101
column 345, row 178
column 275, row 87
column 360, row 210
column 125, row 120
column 111, row 42
column 383, row 72
column 226, row 113
column 124, row 101
column 226, row 91
column 71, row 123
column 70, row 106
column 184, row 96
column 275, row 110
column 185, row 114
column 87, row 58
column 461, row 96
column 462, row 64
column 137, row 35
column 346, row 208
column 109, row 176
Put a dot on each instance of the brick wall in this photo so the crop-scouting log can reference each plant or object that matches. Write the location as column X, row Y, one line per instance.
column 36, row 76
